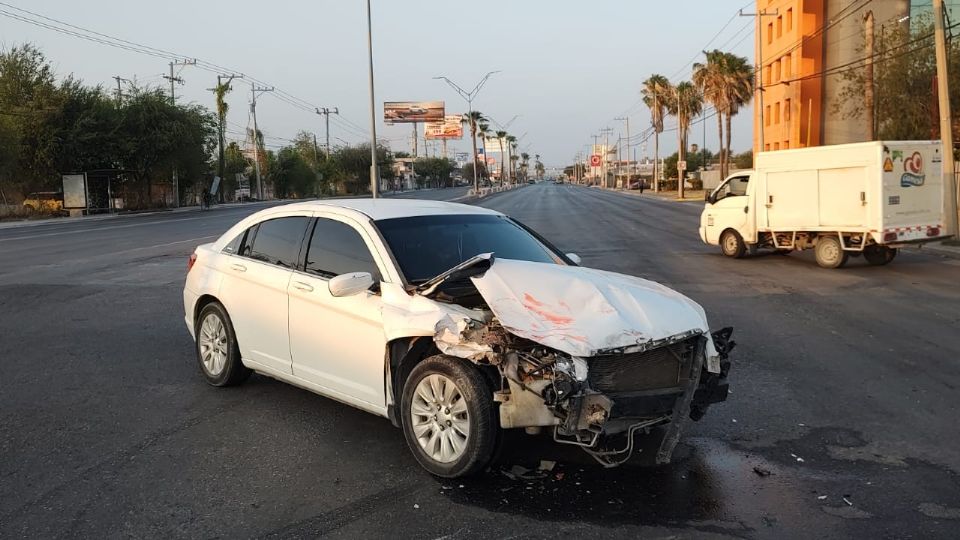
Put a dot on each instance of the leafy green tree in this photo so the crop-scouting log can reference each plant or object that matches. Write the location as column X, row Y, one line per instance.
column 353, row 164
column 294, row 177
column 467, row 170
column 437, row 170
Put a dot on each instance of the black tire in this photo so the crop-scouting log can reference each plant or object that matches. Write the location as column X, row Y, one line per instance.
column 879, row 255
column 482, row 420
column 829, row 252
column 233, row 371
column 732, row 244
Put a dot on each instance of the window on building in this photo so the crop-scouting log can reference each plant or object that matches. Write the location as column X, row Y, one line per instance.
column 766, row 147
column 770, row 33
column 766, row 116
column 789, row 19
column 787, row 67
column 776, row 146
column 776, row 71
column 780, row 26
column 766, row 74
column 786, row 110
column 776, row 113
column 786, row 145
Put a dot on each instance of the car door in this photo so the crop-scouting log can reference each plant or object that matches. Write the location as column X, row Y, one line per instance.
column 254, row 290
column 338, row 343
column 730, row 209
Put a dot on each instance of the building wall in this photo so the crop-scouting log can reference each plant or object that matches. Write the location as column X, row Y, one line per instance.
column 799, row 107
column 844, row 43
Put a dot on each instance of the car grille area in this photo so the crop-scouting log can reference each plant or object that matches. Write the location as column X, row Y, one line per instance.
column 655, row 369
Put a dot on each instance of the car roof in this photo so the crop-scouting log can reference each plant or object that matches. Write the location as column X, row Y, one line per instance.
column 377, row 209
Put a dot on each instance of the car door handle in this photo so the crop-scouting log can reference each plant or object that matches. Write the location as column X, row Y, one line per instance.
column 746, row 209
column 238, row 267
column 305, row 287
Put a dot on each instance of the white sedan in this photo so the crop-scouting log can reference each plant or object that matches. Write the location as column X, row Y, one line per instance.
column 454, row 322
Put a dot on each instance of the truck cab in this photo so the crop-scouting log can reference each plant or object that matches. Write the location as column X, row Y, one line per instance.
column 728, row 215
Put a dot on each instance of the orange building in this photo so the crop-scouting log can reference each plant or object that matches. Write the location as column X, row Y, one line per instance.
column 796, row 41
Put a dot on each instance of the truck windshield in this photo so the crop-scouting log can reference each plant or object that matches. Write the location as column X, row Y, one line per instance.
column 426, row 246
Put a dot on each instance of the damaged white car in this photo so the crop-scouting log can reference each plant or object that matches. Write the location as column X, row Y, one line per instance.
column 454, row 322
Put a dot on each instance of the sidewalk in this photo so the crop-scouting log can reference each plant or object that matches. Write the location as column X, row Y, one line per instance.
column 690, row 195
column 948, row 248
column 101, row 217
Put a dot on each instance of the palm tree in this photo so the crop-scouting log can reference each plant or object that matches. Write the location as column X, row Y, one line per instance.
column 220, row 93
column 525, row 164
column 685, row 104
column 483, row 129
column 501, row 135
column 473, row 118
column 726, row 81
column 656, row 91
column 512, row 155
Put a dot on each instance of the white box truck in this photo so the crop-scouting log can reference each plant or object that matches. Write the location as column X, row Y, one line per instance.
column 845, row 200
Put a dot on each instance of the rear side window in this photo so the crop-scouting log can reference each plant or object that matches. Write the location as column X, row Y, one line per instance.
column 276, row 241
column 337, row 248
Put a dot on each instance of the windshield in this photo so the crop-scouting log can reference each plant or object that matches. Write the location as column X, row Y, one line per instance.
column 425, row 246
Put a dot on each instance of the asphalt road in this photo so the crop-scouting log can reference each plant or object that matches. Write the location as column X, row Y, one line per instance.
column 842, row 419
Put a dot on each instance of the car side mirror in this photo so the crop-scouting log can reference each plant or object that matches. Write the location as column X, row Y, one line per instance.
column 350, row 284
column 711, row 198
column 573, row 257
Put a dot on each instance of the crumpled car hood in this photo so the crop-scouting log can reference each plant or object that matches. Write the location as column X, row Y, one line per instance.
column 583, row 311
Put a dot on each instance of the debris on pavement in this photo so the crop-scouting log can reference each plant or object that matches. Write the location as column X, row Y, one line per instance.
column 762, row 471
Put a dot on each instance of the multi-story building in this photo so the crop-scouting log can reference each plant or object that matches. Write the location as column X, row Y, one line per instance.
column 797, row 41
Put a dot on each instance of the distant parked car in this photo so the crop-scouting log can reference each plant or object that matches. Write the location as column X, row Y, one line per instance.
column 45, row 201
column 453, row 321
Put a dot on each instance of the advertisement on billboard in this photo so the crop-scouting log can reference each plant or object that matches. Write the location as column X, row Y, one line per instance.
column 492, row 144
column 451, row 128
column 399, row 112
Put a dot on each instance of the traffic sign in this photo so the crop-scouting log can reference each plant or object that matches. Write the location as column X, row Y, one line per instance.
column 595, row 160
column 681, row 165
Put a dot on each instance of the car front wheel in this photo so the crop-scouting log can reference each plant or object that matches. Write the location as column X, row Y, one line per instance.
column 449, row 419
column 217, row 350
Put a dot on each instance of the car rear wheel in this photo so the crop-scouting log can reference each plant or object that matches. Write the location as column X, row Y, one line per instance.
column 731, row 243
column 879, row 255
column 829, row 252
column 217, row 350
column 449, row 419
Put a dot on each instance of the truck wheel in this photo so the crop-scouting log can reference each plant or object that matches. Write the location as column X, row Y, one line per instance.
column 829, row 252
column 732, row 245
column 449, row 418
column 879, row 255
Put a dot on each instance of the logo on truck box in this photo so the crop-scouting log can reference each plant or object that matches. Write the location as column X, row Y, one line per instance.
column 912, row 171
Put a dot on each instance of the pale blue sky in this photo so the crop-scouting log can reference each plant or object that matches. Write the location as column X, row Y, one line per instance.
column 568, row 67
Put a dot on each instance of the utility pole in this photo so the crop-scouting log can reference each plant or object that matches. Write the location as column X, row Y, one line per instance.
column 173, row 101
column 869, row 104
column 175, row 79
column 656, row 143
column 593, row 151
column 326, row 112
column 946, row 127
column 256, row 132
column 606, row 151
column 374, row 175
column 626, row 120
column 120, row 79
column 415, row 136
column 759, row 33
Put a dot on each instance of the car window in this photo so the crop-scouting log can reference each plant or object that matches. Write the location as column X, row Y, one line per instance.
column 735, row 187
column 337, row 248
column 426, row 246
column 276, row 241
column 234, row 246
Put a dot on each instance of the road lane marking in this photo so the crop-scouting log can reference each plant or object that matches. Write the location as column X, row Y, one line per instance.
column 44, row 235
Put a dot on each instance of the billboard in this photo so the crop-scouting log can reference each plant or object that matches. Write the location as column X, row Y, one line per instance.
column 450, row 128
column 492, row 144
column 412, row 111
column 74, row 191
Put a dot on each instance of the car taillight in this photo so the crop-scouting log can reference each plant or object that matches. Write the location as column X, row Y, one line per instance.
column 933, row 231
column 193, row 259
column 890, row 237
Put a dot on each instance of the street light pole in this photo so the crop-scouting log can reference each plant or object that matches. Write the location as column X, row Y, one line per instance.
column 374, row 176
column 469, row 96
